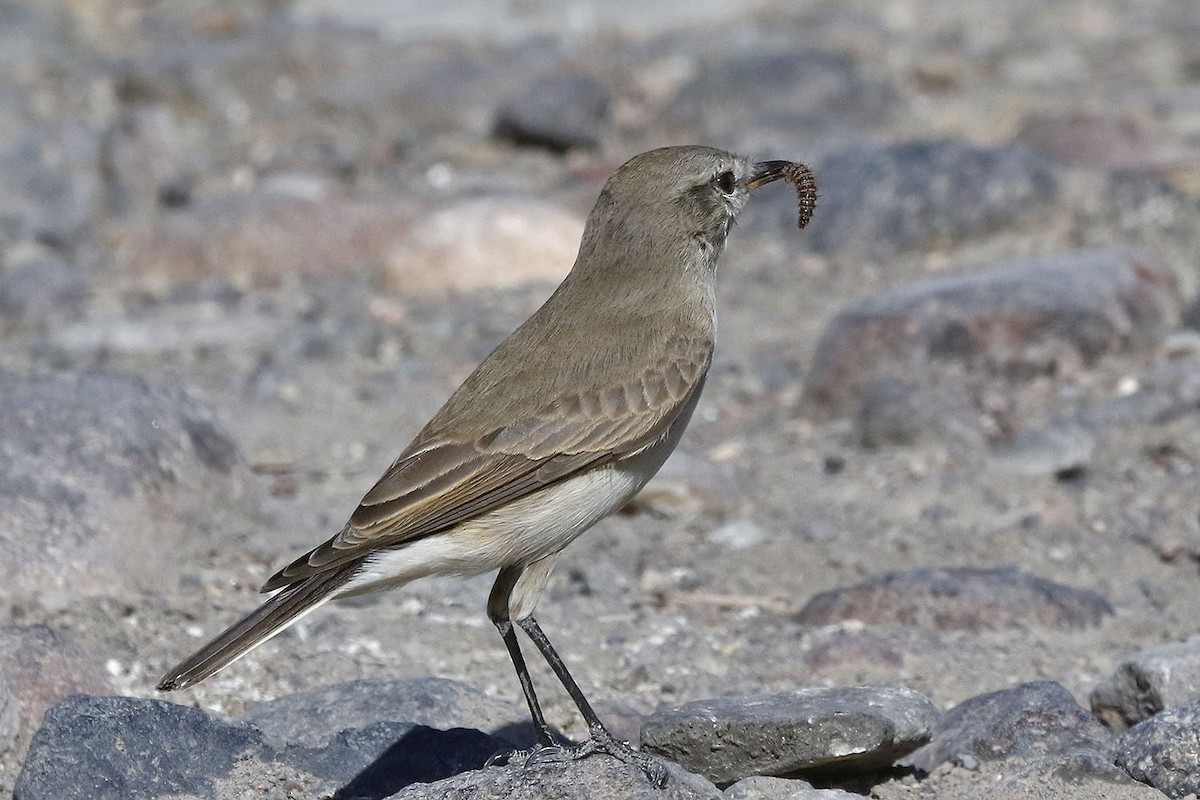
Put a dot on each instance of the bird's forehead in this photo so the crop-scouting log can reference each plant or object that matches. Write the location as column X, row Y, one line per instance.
column 672, row 165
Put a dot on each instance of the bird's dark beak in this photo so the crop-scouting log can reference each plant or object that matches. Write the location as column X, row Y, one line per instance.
column 766, row 171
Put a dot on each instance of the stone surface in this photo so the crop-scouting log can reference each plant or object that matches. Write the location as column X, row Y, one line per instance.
column 307, row 718
column 485, row 243
column 880, row 200
column 1164, row 751
column 121, row 747
column 595, row 778
column 559, row 111
column 1033, row 721
column 277, row 152
column 10, row 715
column 895, row 411
column 1044, row 316
column 99, row 476
column 40, row 666
column 791, row 94
column 1148, row 682
column 1063, row 448
column 852, row 728
column 38, row 288
column 1103, row 140
column 959, row 598
column 296, row 225
column 762, row 787
column 1072, row 778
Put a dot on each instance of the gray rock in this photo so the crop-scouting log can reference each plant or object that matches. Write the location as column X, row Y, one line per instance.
column 1043, row 316
column 861, row 728
column 559, row 112
column 1032, row 722
column 52, row 183
column 881, row 200
column 122, row 747
column 105, row 479
column 1163, row 751
column 762, row 787
column 594, row 778
column 959, row 598
column 40, row 289
column 1147, row 682
column 40, row 666
column 1077, row 776
column 10, row 717
column 1062, row 448
column 791, row 95
column 897, row 411
column 1136, row 210
column 311, row 717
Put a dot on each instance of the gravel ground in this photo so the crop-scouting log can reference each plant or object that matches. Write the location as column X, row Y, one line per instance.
column 285, row 232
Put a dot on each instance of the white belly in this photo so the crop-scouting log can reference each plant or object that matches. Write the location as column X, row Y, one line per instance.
column 518, row 533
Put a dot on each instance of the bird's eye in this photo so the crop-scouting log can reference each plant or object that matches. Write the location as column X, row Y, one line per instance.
column 726, row 182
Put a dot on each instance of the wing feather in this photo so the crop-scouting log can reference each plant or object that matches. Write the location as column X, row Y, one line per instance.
column 438, row 484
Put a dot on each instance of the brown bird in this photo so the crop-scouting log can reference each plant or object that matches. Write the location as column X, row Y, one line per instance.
column 561, row 425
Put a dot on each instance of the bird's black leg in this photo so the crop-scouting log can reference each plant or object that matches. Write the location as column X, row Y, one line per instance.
column 499, row 614
column 600, row 741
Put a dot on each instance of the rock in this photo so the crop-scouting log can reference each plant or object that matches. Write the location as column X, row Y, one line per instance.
column 763, row 101
column 739, row 534
column 1148, row 682
column 594, row 778
column 51, row 178
column 106, row 480
column 1140, row 211
column 861, row 728
column 308, row 718
column 1098, row 140
column 39, row 288
column 151, row 161
column 1043, row 316
column 485, row 243
column 1062, row 449
column 284, row 227
column 1034, row 721
column 122, row 747
column 559, row 112
column 1162, row 751
column 958, row 598
column 761, row 787
column 895, row 411
column 40, row 666
column 881, row 200
column 10, row 715
column 1074, row 777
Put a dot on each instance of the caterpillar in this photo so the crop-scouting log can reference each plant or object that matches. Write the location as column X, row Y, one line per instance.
column 802, row 178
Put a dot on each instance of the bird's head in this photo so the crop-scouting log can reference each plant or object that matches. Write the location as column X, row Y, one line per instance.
column 675, row 203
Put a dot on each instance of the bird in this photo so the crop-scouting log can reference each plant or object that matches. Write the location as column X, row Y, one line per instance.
column 558, row 427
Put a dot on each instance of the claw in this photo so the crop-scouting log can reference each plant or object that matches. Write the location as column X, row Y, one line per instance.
column 601, row 741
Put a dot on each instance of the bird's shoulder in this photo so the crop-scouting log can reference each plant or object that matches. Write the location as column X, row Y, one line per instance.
column 572, row 376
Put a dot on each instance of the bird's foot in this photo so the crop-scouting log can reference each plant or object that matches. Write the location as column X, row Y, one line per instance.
column 601, row 741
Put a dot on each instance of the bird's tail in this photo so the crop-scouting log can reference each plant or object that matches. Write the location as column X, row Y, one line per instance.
column 270, row 618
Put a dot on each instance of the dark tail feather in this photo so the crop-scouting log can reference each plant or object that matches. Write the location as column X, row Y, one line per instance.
column 261, row 624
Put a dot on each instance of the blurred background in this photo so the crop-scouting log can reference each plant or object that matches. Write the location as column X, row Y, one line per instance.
column 247, row 248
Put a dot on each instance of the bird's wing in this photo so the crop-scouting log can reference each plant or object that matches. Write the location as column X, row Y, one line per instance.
column 442, row 483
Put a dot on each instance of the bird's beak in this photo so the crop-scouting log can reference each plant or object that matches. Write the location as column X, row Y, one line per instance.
column 766, row 171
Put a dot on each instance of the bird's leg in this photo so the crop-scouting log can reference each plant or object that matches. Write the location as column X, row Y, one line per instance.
column 600, row 741
column 499, row 614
